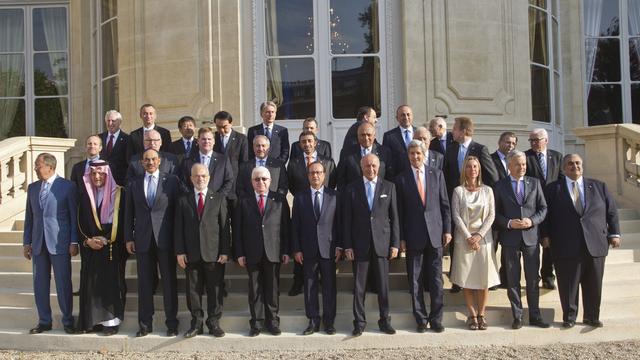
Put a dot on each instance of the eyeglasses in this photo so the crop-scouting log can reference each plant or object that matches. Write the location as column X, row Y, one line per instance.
column 152, row 140
column 264, row 179
column 536, row 139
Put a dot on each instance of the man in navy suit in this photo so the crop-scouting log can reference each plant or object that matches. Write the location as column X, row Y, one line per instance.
column 323, row 147
column 315, row 245
column 261, row 228
column 187, row 145
column 221, row 173
column 136, row 141
column 520, row 209
column 115, row 146
column 581, row 224
column 232, row 144
column 431, row 158
column 278, row 173
column 441, row 137
column 371, row 236
column 397, row 139
column 148, row 231
column 93, row 147
column 350, row 143
column 50, row 239
column 278, row 135
column 425, row 227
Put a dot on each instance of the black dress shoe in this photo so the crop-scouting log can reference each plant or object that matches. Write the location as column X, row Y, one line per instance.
column 548, row 283
column 494, row 288
column 274, row 330
column 69, row 329
column 516, row 324
column 386, row 328
column 296, row 289
column 330, row 329
column 97, row 328
column 143, row 332
column 568, row 324
column 437, row 327
column 539, row 323
column 217, row 331
column 593, row 323
column 76, row 293
column 40, row 328
column 191, row 332
column 311, row 328
column 253, row 332
column 172, row 332
column 110, row 330
column 455, row 289
column 357, row 331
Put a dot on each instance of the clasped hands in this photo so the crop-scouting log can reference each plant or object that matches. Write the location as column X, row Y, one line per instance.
column 474, row 241
column 521, row 224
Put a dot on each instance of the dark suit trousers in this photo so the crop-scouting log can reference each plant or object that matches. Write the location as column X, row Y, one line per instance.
column 360, row 271
column 146, row 264
column 531, row 259
column 586, row 272
column 426, row 267
column 264, row 288
column 42, row 265
column 327, row 270
column 203, row 275
column 546, row 269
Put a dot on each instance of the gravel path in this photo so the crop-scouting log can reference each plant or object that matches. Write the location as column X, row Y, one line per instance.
column 610, row 350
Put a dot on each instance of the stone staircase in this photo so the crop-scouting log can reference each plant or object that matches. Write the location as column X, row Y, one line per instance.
column 620, row 310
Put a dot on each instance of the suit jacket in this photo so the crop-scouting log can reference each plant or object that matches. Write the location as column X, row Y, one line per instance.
column 420, row 223
column 220, row 172
column 279, row 147
column 254, row 235
column 202, row 238
column 349, row 168
column 279, row 181
column 136, row 141
column 53, row 225
column 323, row 148
column 362, row 227
column 177, row 148
column 436, row 160
column 144, row 224
column 297, row 173
column 77, row 174
column 394, row 141
column 315, row 238
column 570, row 232
column 168, row 164
column 237, row 150
column 497, row 163
column 554, row 166
column 451, row 172
column 436, row 146
column 118, row 161
column 350, row 140
column 507, row 208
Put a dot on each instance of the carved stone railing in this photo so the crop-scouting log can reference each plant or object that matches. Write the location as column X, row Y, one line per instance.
column 612, row 154
column 17, row 156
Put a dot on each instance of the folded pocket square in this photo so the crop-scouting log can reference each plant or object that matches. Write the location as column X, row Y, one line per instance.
column 383, row 196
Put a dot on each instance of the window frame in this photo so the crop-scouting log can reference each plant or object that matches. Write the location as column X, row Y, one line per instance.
column 97, row 80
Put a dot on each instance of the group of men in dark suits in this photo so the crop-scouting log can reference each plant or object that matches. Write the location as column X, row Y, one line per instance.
column 187, row 199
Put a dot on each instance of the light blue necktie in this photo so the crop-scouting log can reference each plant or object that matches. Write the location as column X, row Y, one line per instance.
column 267, row 132
column 407, row 138
column 261, row 162
column 44, row 192
column 370, row 192
column 462, row 152
column 151, row 190
column 443, row 145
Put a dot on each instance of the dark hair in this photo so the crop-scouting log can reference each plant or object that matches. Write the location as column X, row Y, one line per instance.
column 184, row 119
column 465, row 124
column 223, row 115
column 307, row 133
column 324, row 170
column 508, row 134
column 363, row 111
column 146, row 106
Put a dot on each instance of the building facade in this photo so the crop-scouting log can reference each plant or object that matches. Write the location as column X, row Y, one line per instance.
column 508, row 64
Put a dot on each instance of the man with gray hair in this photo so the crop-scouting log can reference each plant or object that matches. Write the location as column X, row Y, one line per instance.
column 260, row 148
column 441, row 137
column 520, row 208
column 261, row 242
column 432, row 158
column 115, row 143
column 277, row 135
column 545, row 165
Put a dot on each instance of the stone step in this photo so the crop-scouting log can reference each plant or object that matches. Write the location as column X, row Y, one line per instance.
column 628, row 252
column 11, row 237
column 454, row 336
column 627, row 214
column 18, row 225
column 630, row 226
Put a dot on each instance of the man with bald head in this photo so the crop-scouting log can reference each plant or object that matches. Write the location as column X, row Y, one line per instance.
column 153, row 140
column 397, row 139
column 349, row 168
column 364, row 114
column 370, row 235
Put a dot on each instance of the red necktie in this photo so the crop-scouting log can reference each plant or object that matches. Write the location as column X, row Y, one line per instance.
column 420, row 188
column 110, row 144
column 261, row 204
column 200, row 205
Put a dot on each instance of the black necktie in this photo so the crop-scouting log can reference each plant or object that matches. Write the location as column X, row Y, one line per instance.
column 316, row 205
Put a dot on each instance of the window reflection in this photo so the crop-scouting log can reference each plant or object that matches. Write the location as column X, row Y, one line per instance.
column 291, row 85
column 601, row 18
column 110, row 91
column 606, row 65
column 110, row 48
column 355, row 81
column 289, row 27
column 604, row 104
column 634, row 59
column 13, row 115
column 50, row 29
column 50, row 74
column 540, row 97
column 635, row 103
column 11, row 22
column 354, row 26
column 538, row 41
column 52, row 117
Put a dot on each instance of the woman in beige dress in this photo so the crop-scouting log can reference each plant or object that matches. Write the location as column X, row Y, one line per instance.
column 474, row 266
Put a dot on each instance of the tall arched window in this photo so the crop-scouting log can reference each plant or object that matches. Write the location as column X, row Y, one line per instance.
column 105, row 38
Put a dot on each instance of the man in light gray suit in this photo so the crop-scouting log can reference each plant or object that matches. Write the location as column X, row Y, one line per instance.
column 520, row 208
column 51, row 239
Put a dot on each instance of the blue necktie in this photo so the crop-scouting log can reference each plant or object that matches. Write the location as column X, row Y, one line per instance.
column 44, row 192
column 462, row 152
column 151, row 190
column 543, row 164
column 261, row 162
column 407, row 138
column 188, row 149
column 370, row 192
column 267, row 132
column 443, row 145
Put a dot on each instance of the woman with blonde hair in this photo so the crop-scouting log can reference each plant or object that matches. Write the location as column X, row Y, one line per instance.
column 474, row 268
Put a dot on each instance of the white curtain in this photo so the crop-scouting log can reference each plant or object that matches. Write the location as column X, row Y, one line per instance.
column 274, row 76
column 592, row 18
column 11, row 66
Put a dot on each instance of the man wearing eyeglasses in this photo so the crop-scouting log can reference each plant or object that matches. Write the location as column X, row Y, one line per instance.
column 545, row 165
column 152, row 140
column 261, row 242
